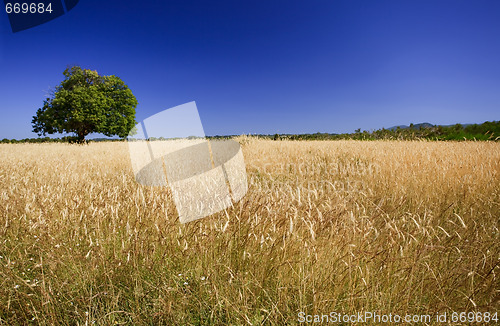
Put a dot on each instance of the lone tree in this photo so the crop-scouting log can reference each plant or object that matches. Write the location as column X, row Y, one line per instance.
column 85, row 102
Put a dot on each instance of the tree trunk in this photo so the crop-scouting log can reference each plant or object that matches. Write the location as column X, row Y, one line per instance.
column 81, row 136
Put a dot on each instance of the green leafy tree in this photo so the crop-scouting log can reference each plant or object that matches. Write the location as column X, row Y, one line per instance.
column 86, row 102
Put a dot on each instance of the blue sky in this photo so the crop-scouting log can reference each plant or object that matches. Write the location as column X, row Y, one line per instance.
column 269, row 66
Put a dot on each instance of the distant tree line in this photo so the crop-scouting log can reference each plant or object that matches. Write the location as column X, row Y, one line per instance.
column 67, row 139
column 485, row 131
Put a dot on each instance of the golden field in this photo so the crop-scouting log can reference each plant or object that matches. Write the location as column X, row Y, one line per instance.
column 400, row 227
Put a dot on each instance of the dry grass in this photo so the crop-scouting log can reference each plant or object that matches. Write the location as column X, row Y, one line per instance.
column 346, row 226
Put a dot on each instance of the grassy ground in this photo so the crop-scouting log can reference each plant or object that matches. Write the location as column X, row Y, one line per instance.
column 344, row 226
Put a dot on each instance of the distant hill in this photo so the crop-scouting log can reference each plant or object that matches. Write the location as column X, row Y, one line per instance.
column 425, row 125
column 415, row 126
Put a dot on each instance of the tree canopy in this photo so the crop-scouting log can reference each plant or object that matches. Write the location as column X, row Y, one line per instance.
column 85, row 102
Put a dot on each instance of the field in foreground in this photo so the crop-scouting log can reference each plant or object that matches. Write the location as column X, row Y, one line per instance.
column 333, row 226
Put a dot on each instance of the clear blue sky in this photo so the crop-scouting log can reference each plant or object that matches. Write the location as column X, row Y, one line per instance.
column 269, row 66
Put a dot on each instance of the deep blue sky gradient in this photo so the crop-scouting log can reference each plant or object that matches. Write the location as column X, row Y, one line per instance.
column 269, row 66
